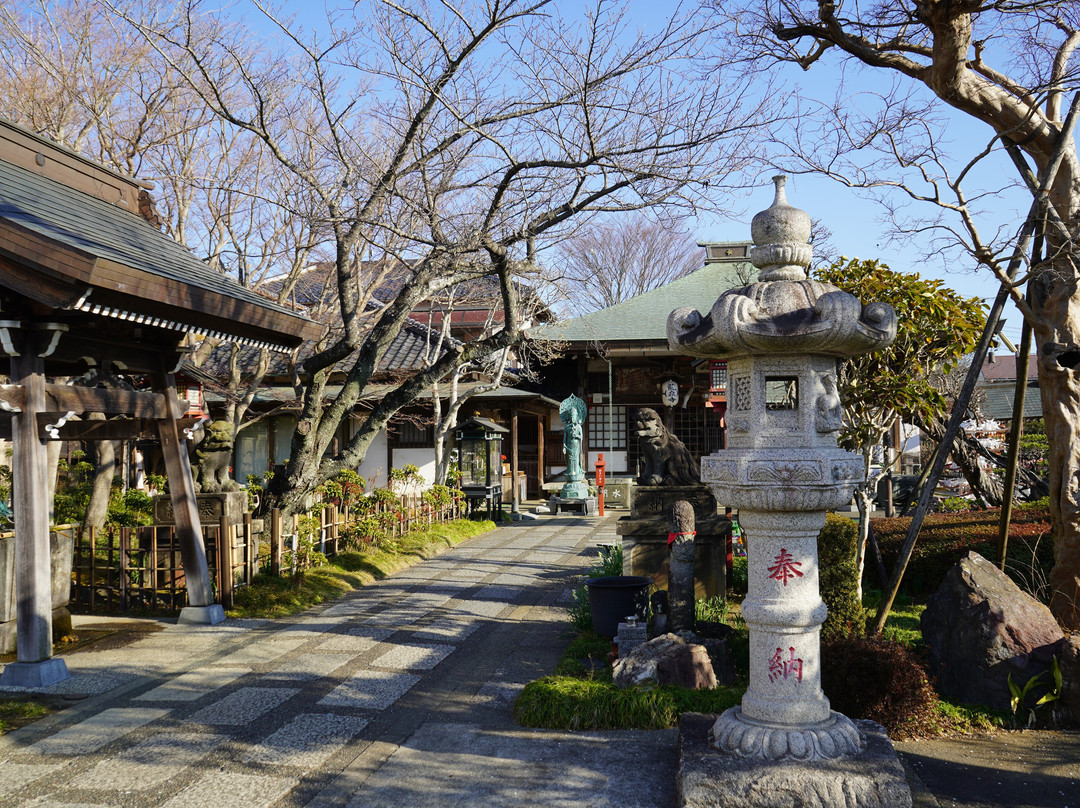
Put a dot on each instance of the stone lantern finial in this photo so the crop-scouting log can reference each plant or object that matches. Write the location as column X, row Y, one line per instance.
column 781, row 236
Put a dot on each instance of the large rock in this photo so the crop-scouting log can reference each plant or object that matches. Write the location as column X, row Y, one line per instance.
column 1070, row 675
column 980, row 627
column 666, row 660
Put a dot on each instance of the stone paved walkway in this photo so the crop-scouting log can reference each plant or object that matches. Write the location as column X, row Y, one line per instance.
column 398, row 695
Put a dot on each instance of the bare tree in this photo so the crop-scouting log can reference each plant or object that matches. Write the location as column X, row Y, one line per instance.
column 607, row 262
column 453, row 138
column 1003, row 63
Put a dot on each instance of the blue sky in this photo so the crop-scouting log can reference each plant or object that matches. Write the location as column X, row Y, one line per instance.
column 856, row 222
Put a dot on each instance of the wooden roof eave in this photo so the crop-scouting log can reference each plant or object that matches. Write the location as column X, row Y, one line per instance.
column 72, row 276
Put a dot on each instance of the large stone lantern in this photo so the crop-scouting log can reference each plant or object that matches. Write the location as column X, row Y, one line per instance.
column 783, row 337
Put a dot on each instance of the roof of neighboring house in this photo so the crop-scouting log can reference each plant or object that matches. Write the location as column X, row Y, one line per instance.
column 317, row 285
column 644, row 317
column 998, row 397
column 64, row 245
column 1003, row 367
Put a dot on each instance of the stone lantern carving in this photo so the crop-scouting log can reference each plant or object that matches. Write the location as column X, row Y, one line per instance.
column 782, row 338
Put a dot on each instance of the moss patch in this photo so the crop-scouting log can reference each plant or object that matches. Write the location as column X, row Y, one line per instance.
column 20, row 711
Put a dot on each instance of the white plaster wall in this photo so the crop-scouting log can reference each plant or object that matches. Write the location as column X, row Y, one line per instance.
column 615, row 461
column 423, row 459
column 375, row 462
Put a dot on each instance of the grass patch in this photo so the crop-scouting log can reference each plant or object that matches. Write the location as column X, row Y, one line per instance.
column 270, row 597
column 567, row 702
column 17, row 712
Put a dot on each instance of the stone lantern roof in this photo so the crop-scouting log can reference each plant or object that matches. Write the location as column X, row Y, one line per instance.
column 784, row 311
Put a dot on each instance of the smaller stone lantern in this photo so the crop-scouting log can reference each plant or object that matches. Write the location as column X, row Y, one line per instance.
column 479, row 442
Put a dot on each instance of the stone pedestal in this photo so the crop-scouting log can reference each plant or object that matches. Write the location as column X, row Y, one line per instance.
column 585, row 506
column 644, row 537
column 230, row 504
column 711, row 778
column 60, row 552
column 201, row 615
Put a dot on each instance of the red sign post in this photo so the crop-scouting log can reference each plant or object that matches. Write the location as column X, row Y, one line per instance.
column 600, row 464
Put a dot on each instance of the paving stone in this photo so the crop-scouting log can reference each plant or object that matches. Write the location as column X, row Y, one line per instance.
column 193, row 685
column 16, row 775
column 512, row 579
column 413, row 657
column 356, row 641
column 373, row 690
column 244, row 706
column 94, row 732
column 150, row 763
column 498, row 593
column 307, row 741
column 260, row 652
column 446, row 629
column 45, row 802
column 231, row 790
column 481, row 608
column 311, row 666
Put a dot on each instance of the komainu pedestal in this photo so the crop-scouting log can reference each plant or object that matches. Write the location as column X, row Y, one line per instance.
column 645, row 533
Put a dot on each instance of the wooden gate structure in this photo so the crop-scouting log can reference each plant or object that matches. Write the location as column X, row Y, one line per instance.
column 90, row 288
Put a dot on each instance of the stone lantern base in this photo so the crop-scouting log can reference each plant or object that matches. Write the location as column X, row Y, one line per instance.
column 709, row 778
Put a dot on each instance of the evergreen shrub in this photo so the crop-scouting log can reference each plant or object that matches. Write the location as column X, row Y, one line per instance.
column 879, row 679
column 839, row 580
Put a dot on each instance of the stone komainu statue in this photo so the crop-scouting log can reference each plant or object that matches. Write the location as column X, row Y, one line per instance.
column 213, row 455
column 667, row 460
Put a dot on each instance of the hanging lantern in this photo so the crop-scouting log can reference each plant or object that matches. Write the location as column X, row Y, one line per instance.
column 669, row 393
column 190, row 393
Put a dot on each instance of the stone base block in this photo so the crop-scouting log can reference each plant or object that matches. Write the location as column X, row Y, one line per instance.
column 61, row 627
column 583, row 506
column 645, row 552
column 201, row 615
column 34, row 675
column 709, row 778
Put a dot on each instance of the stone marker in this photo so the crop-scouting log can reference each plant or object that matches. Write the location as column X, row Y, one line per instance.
column 681, row 568
column 782, row 338
column 980, row 627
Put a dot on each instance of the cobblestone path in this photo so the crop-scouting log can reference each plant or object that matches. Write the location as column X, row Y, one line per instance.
column 397, row 695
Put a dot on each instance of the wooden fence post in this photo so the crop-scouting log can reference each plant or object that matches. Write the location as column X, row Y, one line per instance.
column 249, row 551
column 275, row 542
column 225, row 563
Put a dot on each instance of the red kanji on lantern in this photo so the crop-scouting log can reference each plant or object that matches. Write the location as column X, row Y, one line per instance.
column 780, row 668
column 784, row 568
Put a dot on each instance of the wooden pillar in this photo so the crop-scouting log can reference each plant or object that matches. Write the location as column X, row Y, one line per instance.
column 541, row 427
column 515, row 494
column 201, row 608
column 276, row 548
column 35, row 666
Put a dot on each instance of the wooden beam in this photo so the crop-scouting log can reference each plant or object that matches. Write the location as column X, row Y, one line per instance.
column 69, row 398
column 12, row 398
column 117, row 429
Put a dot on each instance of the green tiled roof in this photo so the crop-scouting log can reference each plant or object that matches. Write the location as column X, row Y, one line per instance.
column 645, row 317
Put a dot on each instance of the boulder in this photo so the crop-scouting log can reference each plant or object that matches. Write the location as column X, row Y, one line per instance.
column 980, row 627
column 1069, row 660
column 666, row 660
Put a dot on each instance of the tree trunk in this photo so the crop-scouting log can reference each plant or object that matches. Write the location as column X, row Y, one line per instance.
column 103, row 456
column 984, row 484
column 1060, row 391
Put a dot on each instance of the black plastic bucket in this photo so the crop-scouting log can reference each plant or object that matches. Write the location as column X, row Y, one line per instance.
column 613, row 598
